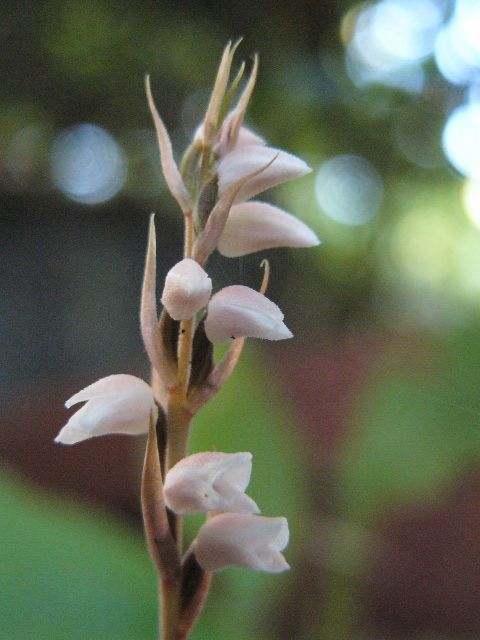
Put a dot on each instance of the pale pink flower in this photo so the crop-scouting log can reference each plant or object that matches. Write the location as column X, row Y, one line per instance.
column 241, row 312
column 116, row 404
column 255, row 226
column 187, row 289
column 210, row 481
column 245, row 159
column 245, row 540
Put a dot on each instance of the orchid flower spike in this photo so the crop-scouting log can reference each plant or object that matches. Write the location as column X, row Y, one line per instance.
column 245, row 540
column 116, row 404
column 210, row 481
column 187, row 289
column 241, row 312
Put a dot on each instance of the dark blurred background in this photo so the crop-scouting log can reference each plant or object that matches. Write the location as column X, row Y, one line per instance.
column 365, row 427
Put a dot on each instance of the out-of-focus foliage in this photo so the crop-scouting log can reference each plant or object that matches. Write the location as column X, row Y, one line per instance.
column 70, row 572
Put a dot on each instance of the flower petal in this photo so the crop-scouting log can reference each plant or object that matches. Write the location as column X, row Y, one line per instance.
column 245, row 159
column 187, row 289
column 210, row 481
column 244, row 540
column 116, row 404
column 238, row 311
column 255, row 226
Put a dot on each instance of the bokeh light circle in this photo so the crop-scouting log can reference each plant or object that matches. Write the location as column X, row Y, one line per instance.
column 87, row 164
column 349, row 189
column 461, row 139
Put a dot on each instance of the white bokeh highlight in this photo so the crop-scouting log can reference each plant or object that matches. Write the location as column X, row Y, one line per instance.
column 349, row 189
column 87, row 164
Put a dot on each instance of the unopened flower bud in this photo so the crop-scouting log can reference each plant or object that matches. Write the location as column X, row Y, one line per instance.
column 241, row 312
column 210, row 481
column 116, row 404
column 187, row 289
column 249, row 541
column 255, row 226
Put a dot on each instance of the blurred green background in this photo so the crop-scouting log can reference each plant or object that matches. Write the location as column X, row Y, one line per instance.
column 365, row 427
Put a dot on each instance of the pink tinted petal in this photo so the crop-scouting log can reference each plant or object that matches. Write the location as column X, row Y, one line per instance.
column 238, row 311
column 244, row 540
column 187, row 289
column 245, row 159
column 255, row 226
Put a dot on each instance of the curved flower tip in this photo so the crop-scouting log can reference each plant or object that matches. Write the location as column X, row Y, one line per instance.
column 248, row 158
column 210, row 481
column 187, row 289
column 255, row 226
column 116, row 404
column 249, row 541
column 241, row 312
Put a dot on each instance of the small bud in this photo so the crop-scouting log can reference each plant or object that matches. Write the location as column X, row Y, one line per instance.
column 244, row 540
column 238, row 311
column 246, row 158
column 255, row 226
column 187, row 289
column 210, row 481
column 116, row 404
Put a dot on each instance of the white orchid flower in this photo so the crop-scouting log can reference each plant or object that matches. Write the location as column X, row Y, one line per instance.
column 245, row 540
column 116, row 404
column 210, row 481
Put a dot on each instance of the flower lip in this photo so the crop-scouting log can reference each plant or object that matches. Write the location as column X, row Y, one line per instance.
column 255, row 226
column 209, row 482
column 245, row 540
column 239, row 311
column 247, row 158
column 116, row 404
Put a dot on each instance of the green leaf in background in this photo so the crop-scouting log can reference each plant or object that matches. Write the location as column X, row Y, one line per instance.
column 415, row 431
column 70, row 573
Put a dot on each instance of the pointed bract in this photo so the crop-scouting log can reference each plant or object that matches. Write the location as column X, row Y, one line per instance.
column 163, row 365
column 187, row 289
column 210, row 481
column 218, row 93
column 115, row 404
column 249, row 541
column 245, row 159
column 238, row 114
column 207, row 240
column 255, row 226
column 238, row 311
column 169, row 167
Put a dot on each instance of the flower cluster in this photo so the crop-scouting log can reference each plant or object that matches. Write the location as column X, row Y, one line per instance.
column 225, row 166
